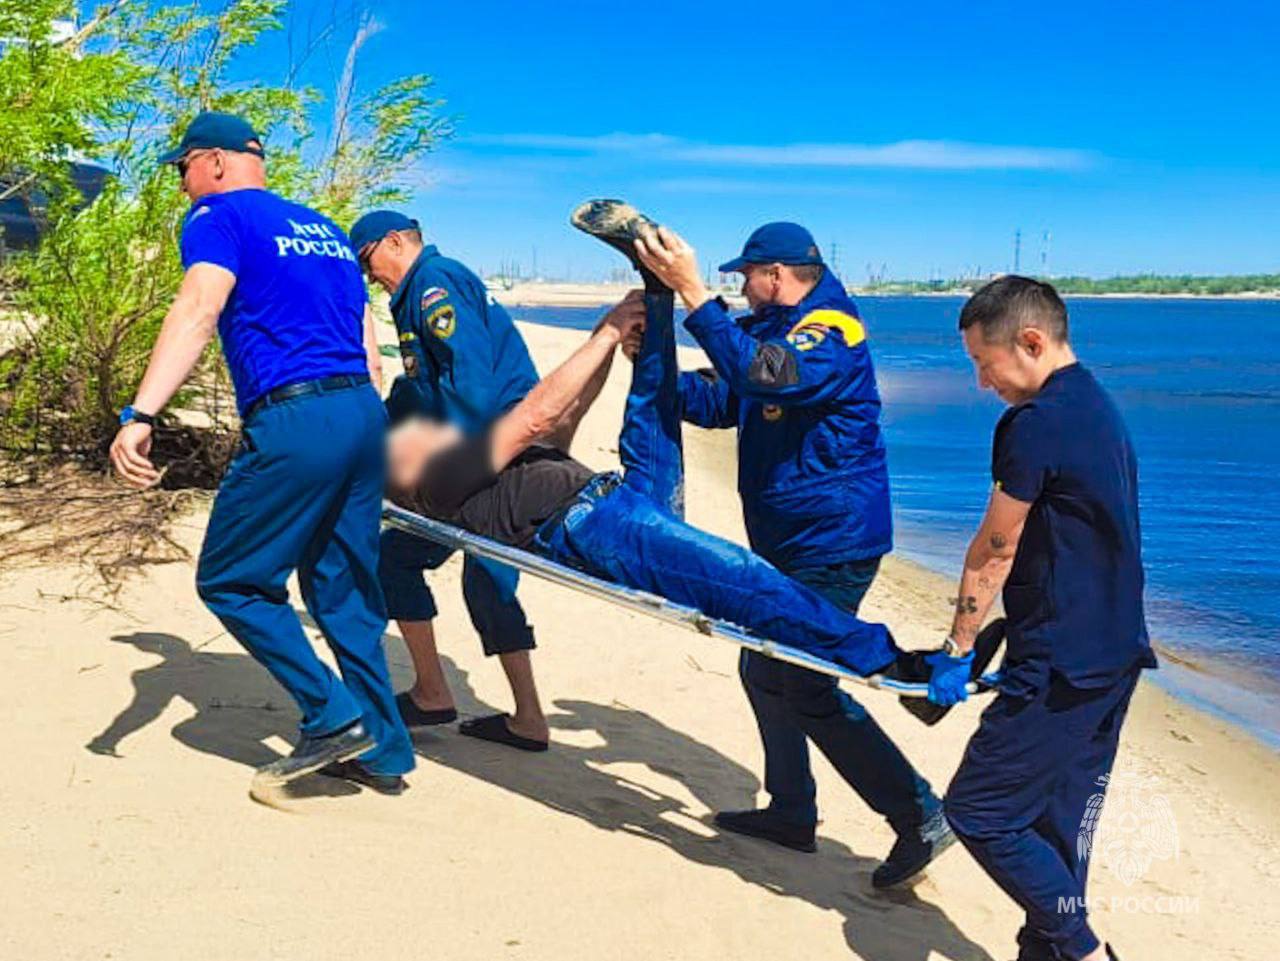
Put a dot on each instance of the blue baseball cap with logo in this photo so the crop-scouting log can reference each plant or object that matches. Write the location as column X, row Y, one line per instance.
column 776, row 243
column 376, row 225
column 211, row 130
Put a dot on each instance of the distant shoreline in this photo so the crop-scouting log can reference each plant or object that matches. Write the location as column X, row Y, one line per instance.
column 536, row 294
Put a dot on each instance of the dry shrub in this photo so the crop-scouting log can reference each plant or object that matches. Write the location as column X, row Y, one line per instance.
column 74, row 512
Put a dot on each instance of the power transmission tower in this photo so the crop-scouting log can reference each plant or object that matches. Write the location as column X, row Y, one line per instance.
column 1045, row 241
column 1017, row 251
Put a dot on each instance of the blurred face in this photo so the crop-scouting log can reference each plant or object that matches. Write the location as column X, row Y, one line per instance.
column 761, row 284
column 410, row 446
column 387, row 260
column 1014, row 371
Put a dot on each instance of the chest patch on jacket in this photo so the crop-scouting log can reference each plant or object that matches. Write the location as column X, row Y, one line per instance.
column 771, row 412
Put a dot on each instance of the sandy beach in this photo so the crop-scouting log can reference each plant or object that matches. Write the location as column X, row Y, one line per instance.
column 559, row 294
column 126, row 831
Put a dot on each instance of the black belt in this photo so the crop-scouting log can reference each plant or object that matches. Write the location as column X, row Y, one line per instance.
column 323, row 385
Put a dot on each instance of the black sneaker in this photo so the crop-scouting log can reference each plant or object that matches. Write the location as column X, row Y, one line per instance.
column 313, row 753
column 767, row 826
column 618, row 224
column 912, row 853
column 357, row 773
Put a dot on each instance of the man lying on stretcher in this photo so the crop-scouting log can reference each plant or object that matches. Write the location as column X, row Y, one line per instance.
column 627, row 527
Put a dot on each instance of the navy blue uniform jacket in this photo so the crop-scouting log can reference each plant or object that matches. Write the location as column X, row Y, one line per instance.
column 798, row 384
column 464, row 360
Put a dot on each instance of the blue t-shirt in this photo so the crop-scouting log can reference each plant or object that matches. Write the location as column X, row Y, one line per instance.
column 1074, row 594
column 296, row 312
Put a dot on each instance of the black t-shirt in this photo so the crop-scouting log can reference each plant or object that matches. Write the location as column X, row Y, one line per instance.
column 460, row 487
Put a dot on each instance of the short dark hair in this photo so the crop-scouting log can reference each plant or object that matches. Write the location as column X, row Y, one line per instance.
column 809, row 273
column 1009, row 303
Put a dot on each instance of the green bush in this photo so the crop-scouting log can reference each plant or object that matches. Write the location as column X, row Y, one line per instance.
column 90, row 300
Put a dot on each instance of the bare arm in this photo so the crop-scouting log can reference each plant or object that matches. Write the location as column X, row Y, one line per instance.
column 187, row 329
column 562, row 436
column 373, row 357
column 562, row 392
column 987, row 564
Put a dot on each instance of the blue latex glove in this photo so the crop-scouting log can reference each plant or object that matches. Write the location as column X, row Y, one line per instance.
column 949, row 677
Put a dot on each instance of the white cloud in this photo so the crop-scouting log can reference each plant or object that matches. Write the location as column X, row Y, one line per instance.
column 603, row 143
column 908, row 154
column 729, row 185
column 902, row 154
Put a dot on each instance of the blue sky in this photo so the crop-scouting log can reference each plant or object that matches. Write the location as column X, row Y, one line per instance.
column 917, row 136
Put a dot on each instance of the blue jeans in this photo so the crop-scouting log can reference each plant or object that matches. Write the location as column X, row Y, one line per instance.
column 629, row 531
column 1019, row 798
column 305, row 494
column 488, row 588
column 793, row 705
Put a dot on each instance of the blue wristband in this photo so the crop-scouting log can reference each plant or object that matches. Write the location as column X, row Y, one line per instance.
column 131, row 415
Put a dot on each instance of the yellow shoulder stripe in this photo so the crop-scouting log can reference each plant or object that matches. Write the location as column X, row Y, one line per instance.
column 850, row 328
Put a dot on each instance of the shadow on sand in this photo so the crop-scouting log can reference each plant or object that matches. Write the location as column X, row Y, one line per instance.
column 238, row 707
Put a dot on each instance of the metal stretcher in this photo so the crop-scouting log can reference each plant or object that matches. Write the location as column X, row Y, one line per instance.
column 645, row 603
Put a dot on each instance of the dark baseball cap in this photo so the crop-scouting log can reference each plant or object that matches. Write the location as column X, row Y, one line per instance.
column 777, row 243
column 376, row 225
column 216, row 130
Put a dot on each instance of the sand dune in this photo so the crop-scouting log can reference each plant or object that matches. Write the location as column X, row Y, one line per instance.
column 126, row 831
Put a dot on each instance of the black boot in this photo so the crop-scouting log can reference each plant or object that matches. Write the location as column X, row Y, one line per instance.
column 767, row 826
column 615, row 222
column 913, row 852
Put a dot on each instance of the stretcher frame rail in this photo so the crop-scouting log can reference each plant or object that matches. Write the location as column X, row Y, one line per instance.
column 642, row 601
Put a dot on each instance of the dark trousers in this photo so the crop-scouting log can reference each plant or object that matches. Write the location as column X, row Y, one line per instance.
column 489, row 589
column 793, row 706
column 1019, row 798
column 305, row 494
column 630, row 532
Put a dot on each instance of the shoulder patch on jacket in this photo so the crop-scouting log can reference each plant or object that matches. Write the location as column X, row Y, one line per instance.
column 812, row 329
column 432, row 295
column 442, row 321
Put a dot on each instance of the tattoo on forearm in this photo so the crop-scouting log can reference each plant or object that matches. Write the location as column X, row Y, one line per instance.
column 965, row 604
column 999, row 541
